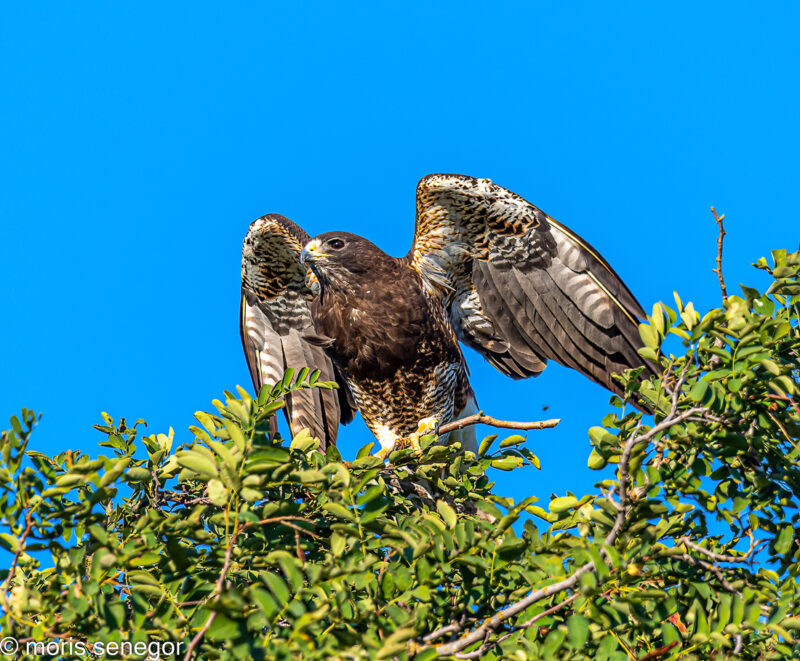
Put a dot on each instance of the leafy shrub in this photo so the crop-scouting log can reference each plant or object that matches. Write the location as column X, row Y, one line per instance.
column 240, row 547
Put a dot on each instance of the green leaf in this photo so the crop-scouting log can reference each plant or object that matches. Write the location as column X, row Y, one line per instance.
column 277, row 586
column 217, row 492
column 339, row 511
column 337, row 544
column 669, row 633
column 507, row 463
column 577, row 630
column 266, row 602
column 784, row 539
column 515, row 439
column 222, row 628
column 649, row 336
column 309, row 476
column 601, row 437
column 698, row 391
column 552, row 642
column 648, row 354
column 197, row 463
column 596, row 460
column 9, row 542
column 99, row 533
column 235, row 432
column 689, row 316
column 250, row 495
column 486, row 443
column 563, row 503
column 206, row 420
column 365, row 450
column 138, row 474
column 447, row 513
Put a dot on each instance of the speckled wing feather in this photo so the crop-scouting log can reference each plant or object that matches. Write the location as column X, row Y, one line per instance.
column 518, row 286
column 275, row 318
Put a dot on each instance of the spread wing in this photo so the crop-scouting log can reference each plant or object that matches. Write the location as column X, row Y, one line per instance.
column 519, row 287
column 274, row 319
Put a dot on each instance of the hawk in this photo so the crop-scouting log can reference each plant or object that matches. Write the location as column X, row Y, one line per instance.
column 487, row 269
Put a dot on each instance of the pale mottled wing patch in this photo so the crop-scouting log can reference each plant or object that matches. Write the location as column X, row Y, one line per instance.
column 275, row 317
column 518, row 286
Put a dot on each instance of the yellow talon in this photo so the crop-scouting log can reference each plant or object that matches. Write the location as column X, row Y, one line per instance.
column 426, row 426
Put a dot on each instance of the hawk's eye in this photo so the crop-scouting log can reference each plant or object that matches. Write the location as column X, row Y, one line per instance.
column 336, row 244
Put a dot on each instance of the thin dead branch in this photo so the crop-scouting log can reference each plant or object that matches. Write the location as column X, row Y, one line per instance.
column 658, row 653
column 690, row 559
column 718, row 557
column 718, row 269
column 480, row 418
column 226, row 565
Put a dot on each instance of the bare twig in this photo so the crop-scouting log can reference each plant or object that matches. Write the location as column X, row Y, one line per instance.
column 442, row 631
column 301, row 556
column 785, row 398
column 658, row 653
column 196, row 640
column 627, row 451
column 710, row 568
column 226, row 565
column 550, row 611
column 217, row 591
column 497, row 619
column 482, row 419
column 487, row 645
column 718, row 269
column 181, row 498
column 717, row 557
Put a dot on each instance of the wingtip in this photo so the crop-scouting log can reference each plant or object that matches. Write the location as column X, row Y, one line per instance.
column 275, row 222
column 447, row 179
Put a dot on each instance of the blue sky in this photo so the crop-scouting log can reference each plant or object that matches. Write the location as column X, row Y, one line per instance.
column 140, row 139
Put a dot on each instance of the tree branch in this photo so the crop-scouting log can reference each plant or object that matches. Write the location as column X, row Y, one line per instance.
column 658, row 653
column 718, row 269
column 549, row 611
column 717, row 557
column 482, row 419
column 489, row 625
column 226, row 565
column 441, row 631
column 497, row 619
column 710, row 568
column 217, row 591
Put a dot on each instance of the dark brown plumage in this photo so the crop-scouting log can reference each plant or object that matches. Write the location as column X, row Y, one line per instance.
column 396, row 351
column 486, row 268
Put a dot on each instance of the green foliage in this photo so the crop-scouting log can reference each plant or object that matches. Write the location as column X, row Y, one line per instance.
column 252, row 548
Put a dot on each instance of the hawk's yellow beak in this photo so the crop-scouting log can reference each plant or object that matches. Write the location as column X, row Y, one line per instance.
column 311, row 252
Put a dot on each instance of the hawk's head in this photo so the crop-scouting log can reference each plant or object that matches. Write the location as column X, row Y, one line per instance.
column 338, row 259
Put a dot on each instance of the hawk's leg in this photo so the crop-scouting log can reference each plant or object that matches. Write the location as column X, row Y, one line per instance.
column 426, row 426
